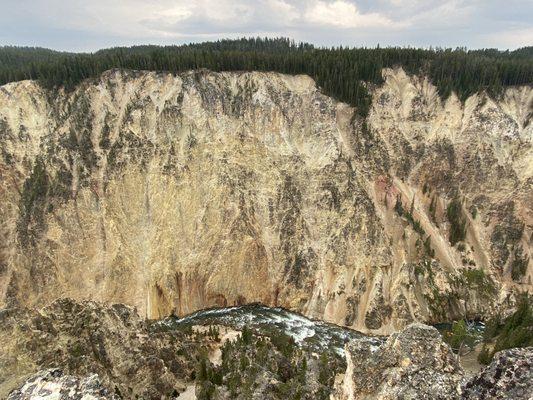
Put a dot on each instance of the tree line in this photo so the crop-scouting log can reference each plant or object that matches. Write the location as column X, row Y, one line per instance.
column 341, row 72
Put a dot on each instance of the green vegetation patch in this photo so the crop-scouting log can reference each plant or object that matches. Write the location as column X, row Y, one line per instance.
column 457, row 221
column 519, row 264
column 33, row 203
column 341, row 72
column 477, row 279
column 460, row 335
column 504, row 333
column 254, row 365
column 408, row 215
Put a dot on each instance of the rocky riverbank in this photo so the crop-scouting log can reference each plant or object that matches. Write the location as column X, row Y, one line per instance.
column 75, row 349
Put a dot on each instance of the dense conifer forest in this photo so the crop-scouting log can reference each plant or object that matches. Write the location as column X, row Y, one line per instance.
column 343, row 73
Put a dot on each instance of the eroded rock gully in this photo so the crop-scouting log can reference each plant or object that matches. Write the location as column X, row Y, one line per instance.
column 172, row 193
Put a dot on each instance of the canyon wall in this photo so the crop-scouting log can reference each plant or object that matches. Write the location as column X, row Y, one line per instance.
column 173, row 193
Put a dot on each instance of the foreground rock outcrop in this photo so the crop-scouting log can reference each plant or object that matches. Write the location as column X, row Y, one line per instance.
column 82, row 347
column 53, row 384
column 173, row 193
column 417, row 364
column 509, row 376
column 412, row 364
column 87, row 350
column 87, row 338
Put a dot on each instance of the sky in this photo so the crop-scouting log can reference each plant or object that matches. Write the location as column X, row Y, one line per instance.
column 89, row 25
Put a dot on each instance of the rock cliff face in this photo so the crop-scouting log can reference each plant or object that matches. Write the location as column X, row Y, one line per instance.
column 87, row 338
column 174, row 193
column 412, row 364
column 416, row 364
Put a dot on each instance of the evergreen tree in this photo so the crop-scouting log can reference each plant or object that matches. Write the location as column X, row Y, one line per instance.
column 340, row 72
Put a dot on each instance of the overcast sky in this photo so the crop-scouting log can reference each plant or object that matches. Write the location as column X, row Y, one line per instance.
column 88, row 25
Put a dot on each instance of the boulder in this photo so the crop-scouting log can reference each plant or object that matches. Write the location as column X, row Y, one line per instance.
column 53, row 384
column 412, row 364
column 509, row 376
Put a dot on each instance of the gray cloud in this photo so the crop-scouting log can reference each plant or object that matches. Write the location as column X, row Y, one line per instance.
column 82, row 25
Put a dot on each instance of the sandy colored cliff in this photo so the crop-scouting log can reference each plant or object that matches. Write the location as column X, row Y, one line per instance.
column 173, row 193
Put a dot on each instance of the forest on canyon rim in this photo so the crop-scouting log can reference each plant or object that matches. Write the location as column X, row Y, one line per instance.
column 370, row 188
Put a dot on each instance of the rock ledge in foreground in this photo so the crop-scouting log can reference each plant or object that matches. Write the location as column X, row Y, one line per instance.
column 412, row 364
column 53, row 384
column 509, row 376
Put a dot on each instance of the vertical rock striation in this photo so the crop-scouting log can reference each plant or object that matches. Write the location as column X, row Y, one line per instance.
column 173, row 193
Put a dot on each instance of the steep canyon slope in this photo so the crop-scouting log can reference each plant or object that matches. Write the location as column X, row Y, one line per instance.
column 173, row 193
